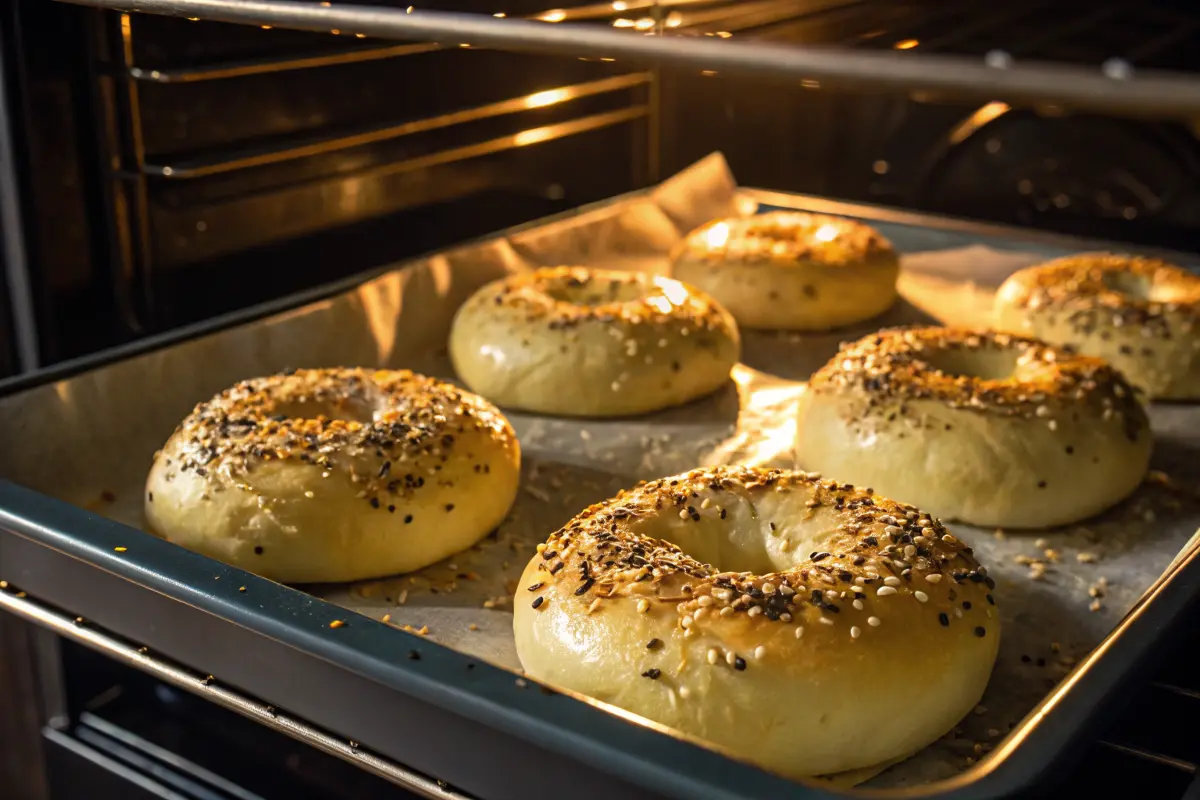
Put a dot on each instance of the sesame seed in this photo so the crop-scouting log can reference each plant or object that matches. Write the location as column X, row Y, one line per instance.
column 760, row 653
column 921, row 597
column 884, row 591
column 755, row 611
column 799, row 632
column 768, row 588
column 825, row 620
column 891, row 580
column 686, row 621
column 933, row 577
column 684, row 692
column 958, row 613
column 704, row 600
column 683, row 513
column 713, row 655
column 643, row 605
column 855, row 632
column 874, row 622
column 858, row 604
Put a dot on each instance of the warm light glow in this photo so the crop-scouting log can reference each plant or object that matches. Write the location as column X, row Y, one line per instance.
column 546, row 98
column 500, row 15
column 826, row 233
column 981, row 117
column 623, row 23
column 554, row 15
column 619, row 5
column 531, row 136
column 674, row 19
column 717, row 235
column 906, row 44
column 674, row 291
column 644, row 24
column 724, row 34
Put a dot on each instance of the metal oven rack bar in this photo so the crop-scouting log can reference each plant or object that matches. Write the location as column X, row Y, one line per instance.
column 1113, row 87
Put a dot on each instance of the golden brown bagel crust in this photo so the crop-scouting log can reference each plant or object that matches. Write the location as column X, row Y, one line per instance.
column 587, row 342
column 986, row 428
column 790, row 667
column 791, row 270
column 334, row 474
column 1142, row 315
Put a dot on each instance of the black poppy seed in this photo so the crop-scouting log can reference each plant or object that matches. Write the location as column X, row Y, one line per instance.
column 413, row 655
column 980, row 631
column 739, row 663
column 556, row 568
column 653, row 673
column 820, row 557
column 374, row 502
column 408, row 518
column 871, row 541
column 944, row 619
column 1041, row 662
column 391, row 509
column 772, row 524
column 537, row 601
column 449, row 507
column 258, row 551
column 991, row 600
column 966, row 605
column 1070, row 449
column 831, row 608
column 654, row 644
column 1041, row 484
column 1025, row 659
column 536, row 586
column 583, row 587
column 723, row 513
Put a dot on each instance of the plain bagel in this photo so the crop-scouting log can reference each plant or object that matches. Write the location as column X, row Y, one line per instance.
column 1142, row 315
column 791, row 270
column 985, row 428
column 586, row 342
column 769, row 612
column 334, row 475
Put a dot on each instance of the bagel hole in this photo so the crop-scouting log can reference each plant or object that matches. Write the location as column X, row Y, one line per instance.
column 348, row 410
column 1137, row 287
column 982, row 364
column 595, row 291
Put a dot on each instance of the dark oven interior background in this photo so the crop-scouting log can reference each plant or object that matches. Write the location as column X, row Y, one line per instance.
column 172, row 170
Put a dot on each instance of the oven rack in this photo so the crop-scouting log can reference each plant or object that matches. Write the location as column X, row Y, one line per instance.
column 1114, row 86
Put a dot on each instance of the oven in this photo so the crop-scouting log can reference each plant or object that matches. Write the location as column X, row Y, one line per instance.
column 210, row 163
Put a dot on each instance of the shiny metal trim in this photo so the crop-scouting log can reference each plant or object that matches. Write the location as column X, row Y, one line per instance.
column 240, row 69
column 998, row 77
column 76, row 629
column 1146, row 755
column 542, row 99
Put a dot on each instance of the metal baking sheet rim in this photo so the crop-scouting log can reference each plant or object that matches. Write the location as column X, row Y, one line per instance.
column 1017, row 763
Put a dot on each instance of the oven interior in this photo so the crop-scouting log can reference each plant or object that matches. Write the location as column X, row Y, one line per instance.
column 173, row 170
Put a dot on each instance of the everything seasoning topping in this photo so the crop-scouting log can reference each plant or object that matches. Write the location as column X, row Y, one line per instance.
column 788, row 237
column 568, row 296
column 1103, row 289
column 387, row 432
column 867, row 562
column 894, row 367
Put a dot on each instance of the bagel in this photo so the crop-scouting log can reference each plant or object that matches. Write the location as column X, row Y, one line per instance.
column 1142, row 315
column 985, row 428
column 334, row 475
column 766, row 611
column 570, row 341
column 791, row 270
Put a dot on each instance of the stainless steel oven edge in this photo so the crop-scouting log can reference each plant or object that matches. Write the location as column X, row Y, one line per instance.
column 408, row 700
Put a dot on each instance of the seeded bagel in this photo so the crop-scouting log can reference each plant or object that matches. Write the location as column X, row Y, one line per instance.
column 767, row 611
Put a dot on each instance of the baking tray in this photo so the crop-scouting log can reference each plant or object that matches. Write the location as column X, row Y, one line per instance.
column 467, row 720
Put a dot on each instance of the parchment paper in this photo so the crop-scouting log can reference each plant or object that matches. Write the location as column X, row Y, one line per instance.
column 90, row 439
